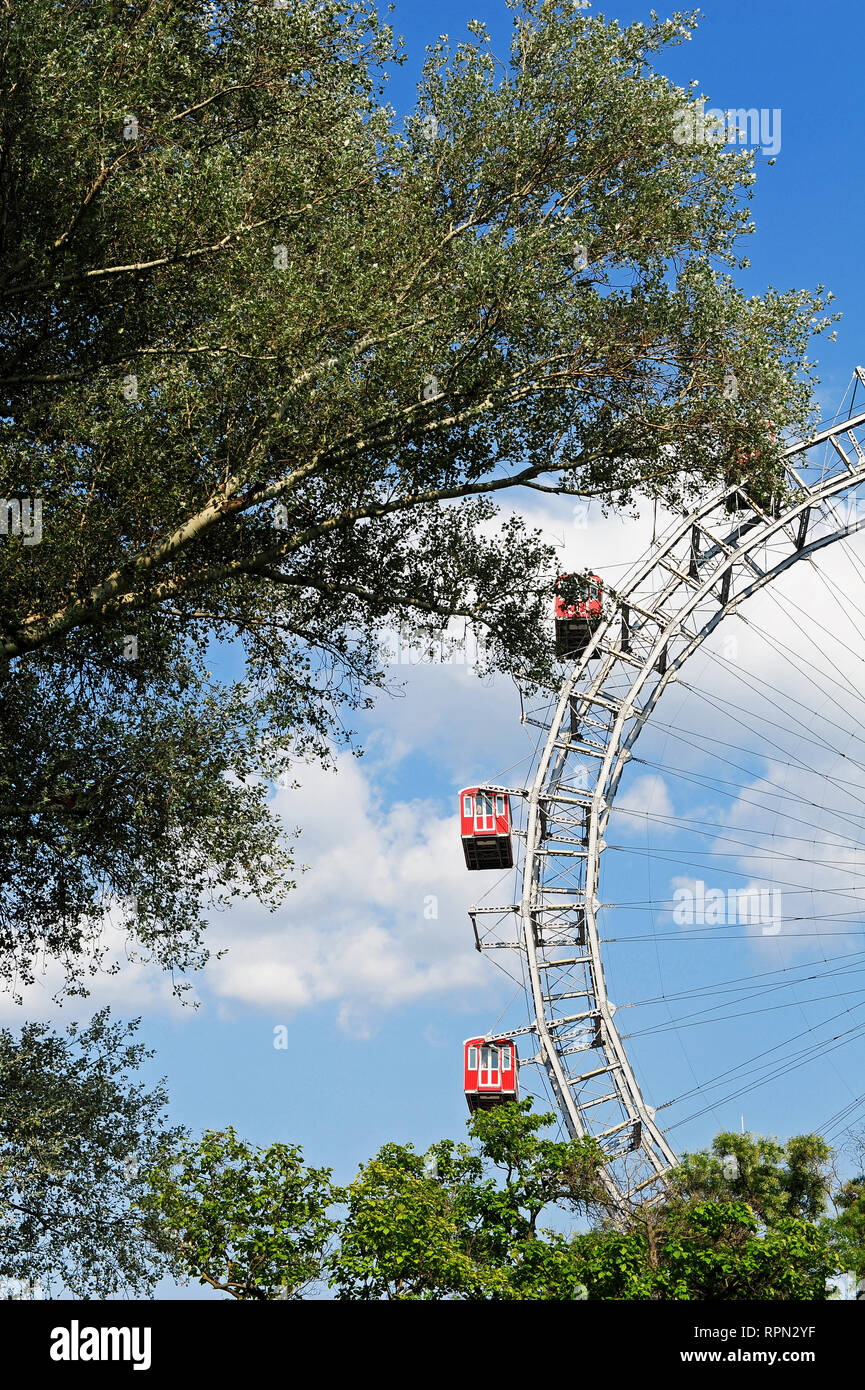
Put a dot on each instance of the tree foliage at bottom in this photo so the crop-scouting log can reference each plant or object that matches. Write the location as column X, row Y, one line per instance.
column 78, row 1130
column 511, row 1215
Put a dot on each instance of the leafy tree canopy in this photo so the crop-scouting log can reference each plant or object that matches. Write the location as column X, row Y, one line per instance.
column 494, row 1219
column 465, row 1223
column 847, row 1224
column 77, row 1132
column 708, row 1249
column 744, row 1219
column 251, row 1222
column 269, row 357
column 774, row 1179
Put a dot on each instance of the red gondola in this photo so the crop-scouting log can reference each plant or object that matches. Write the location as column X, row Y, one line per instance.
column 492, row 1071
column 485, row 823
column 575, row 622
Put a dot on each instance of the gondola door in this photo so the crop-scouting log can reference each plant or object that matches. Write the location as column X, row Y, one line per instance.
column 484, row 819
column 489, row 1075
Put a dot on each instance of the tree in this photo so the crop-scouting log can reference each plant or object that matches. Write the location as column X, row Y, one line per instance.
column 510, row 1216
column 742, row 1219
column 465, row 1223
column 847, row 1227
column 774, row 1179
column 268, row 360
column 77, row 1130
column 751, row 1230
column 459, row 1222
column 250, row 1222
column 708, row 1249
column 404, row 1235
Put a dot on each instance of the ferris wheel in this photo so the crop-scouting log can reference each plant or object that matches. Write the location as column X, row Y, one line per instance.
column 704, row 570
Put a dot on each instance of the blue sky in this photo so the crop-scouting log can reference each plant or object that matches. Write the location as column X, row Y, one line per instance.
column 377, row 996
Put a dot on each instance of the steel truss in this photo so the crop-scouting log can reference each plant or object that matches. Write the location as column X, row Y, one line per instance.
column 708, row 564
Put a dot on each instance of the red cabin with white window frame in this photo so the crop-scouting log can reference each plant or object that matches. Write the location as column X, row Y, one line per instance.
column 491, row 1071
column 485, row 825
column 575, row 622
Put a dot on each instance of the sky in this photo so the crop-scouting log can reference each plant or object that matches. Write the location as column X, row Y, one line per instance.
column 370, row 967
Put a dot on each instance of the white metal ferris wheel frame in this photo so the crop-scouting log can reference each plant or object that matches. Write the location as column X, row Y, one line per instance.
column 699, row 573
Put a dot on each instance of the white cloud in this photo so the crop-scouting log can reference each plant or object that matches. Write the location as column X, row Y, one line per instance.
column 135, row 987
column 378, row 921
column 359, row 930
column 646, row 796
